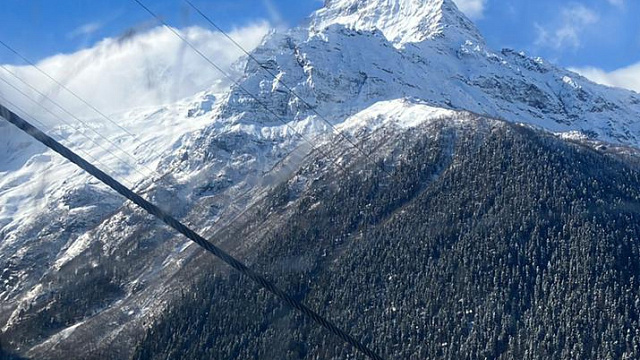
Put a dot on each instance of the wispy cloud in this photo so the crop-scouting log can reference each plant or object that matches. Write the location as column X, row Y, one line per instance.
column 274, row 14
column 472, row 8
column 618, row 3
column 85, row 30
column 626, row 77
column 148, row 69
column 567, row 30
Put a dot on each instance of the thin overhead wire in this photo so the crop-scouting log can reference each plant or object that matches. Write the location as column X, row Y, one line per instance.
column 58, row 83
column 33, row 119
column 78, row 97
column 183, row 229
column 77, row 129
column 331, row 328
column 136, row 161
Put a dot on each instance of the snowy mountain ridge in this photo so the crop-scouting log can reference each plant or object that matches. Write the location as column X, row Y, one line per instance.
column 401, row 21
column 361, row 65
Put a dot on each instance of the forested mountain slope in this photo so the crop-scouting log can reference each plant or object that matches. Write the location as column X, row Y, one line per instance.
column 481, row 239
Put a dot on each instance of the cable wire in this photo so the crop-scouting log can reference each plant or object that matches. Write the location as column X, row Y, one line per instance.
column 93, row 158
column 173, row 222
column 77, row 118
column 78, row 97
column 25, row 59
column 77, row 129
column 181, row 228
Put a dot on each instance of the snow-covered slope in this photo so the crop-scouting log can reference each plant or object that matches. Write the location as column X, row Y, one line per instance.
column 128, row 79
column 401, row 21
column 47, row 204
column 33, row 177
column 360, row 65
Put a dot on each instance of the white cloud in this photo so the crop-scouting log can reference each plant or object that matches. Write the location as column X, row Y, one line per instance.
column 147, row 69
column 618, row 3
column 472, row 8
column 274, row 14
column 627, row 77
column 85, row 30
column 566, row 31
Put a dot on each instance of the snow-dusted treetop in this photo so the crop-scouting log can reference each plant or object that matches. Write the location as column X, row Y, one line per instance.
column 401, row 21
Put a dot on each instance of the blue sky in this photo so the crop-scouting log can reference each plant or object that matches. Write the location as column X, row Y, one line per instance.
column 46, row 27
column 603, row 35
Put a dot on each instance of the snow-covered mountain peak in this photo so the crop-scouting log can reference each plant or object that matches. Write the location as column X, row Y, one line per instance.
column 401, row 21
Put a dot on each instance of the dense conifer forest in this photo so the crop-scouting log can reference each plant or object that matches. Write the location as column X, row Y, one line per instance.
column 466, row 240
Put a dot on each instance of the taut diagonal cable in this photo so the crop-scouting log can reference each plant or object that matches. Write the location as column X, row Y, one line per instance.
column 181, row 228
